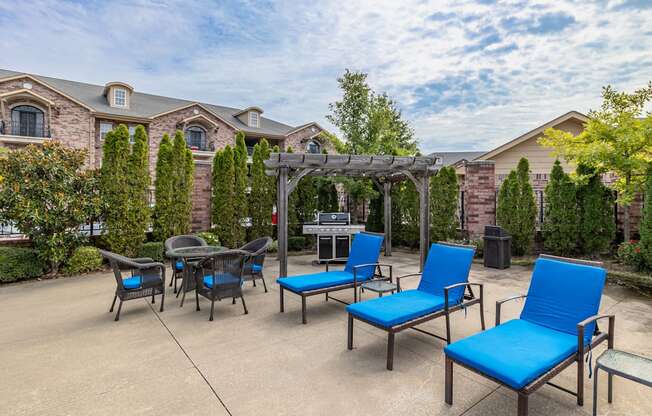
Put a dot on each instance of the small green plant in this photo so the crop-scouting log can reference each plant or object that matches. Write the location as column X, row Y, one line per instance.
column 18, row 263
column 210, row 238
column 273, row 248
column 630, row 254
column 83, row 260
column 296, row 243
column 154, row 250
column 479, row 247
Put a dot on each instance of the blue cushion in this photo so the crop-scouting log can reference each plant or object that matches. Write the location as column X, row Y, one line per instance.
column 563, row 294
column 445, row 266
column 321, row 280
column 222, row 279
column 516, row 352
column 134, row 282
column 398, row 308
column 364, row 250
column 256, row 268
column 179, row 265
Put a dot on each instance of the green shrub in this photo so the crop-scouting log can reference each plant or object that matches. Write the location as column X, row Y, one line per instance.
column 210, row 238
column 296, row 243
column 630, row 254
column 273, row 248
column 20, row 263
column 154, row 250
column 83, row 260
column 479, row 247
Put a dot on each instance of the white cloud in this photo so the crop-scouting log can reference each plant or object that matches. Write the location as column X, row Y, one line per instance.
column 285, row 56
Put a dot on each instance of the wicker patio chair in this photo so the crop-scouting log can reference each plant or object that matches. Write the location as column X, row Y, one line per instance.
column 180, row 241
column 557, row 328
column 147, row 279
column 441, row 291
column 220, row 276
column 253, row 268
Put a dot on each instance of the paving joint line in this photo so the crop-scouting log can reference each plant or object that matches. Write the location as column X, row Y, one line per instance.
column 217, row 396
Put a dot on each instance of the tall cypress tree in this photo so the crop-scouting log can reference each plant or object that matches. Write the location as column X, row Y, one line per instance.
column 444, row 197
column 182, row 184
column 507, row 204
column 261, row 198
column 596, row 203
column 375, row 219
column 526, row 209
column 163, row 191
column 560, row 224
column 240, row 205
column 114, row 188
column 293, row 207
column 218, row 198
column 138, row 180
column 226, row 223
column 646, row 220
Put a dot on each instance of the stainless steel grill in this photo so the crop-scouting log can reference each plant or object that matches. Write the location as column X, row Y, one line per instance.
column 333, row 230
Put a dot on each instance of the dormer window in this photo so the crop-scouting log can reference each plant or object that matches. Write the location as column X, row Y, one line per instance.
column 119, row 97
column 254, row 120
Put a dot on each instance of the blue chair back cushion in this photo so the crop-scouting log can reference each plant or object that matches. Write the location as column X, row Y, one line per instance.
column 223, row 279
column 179, row 265
column 445, row 266
column 364, row 250
column 562, row 294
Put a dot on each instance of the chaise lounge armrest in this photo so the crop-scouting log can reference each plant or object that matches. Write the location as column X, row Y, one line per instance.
column 499, row 304
column 143, row 260
column 581, row 328
column 461, row 284
column 333, row 260
column 398, row 279
column 379, row 265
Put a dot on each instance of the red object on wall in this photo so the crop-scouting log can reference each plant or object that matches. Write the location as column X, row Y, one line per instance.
column 274, row 218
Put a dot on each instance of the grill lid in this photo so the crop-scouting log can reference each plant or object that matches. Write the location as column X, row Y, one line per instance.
column 333, row 218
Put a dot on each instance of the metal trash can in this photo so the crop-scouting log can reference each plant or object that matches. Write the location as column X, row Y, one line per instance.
column 497, row 247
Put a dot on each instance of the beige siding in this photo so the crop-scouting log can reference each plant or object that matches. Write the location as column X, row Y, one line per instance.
column 540, row 157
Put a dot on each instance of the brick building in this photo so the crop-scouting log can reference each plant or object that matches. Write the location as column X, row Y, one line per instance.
column 482, row 173
column 35, row 108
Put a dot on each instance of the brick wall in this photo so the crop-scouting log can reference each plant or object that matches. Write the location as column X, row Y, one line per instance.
column 201, row 197
column 479, row 196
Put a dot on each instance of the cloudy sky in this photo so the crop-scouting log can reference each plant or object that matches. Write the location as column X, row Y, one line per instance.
column 468, row 75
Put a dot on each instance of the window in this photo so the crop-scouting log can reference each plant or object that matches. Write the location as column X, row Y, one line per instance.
column 253, row 119
column 27, row 121
column 132, row 133
column 196, row 138
column 119, row 97
column 104, row 129
column 313, row 147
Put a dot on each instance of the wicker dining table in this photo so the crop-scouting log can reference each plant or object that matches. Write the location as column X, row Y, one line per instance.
column 191, row 256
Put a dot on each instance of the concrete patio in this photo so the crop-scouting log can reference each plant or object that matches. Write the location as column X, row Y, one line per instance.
column 62, row 354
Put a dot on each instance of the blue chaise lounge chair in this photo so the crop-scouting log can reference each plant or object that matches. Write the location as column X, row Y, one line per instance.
column 360, row 267
column 556, row 328
column 441, row 291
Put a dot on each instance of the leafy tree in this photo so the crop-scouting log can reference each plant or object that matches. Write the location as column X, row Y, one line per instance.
column 646, row 221
column 260, row 200
column 327, row 200
column 114, row 187
column 615, row 139
column 597, row 227
column 45, row 193
column 405, row 214
column 444, row 197
column 240, row 189
column 561, row 220
column 294, row 203
column 223, row 196
column 138, row 181
column 183, row 170
column 375, row 219
column 163, row 192
column 516, row 209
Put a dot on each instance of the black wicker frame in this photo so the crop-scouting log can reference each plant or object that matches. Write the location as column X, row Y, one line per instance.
column 145, row 267
column 578, row 357
column 257, row 250
column 355, row 285
column 181, row 241
column 229, row 261
column 469, row 299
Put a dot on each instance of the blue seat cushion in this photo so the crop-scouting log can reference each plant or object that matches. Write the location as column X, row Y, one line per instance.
column 223, row 279
column 256, row 268
column 516, row 352
column 396, row 309
column 313, row 281
column 179, row 265
column 134, row 282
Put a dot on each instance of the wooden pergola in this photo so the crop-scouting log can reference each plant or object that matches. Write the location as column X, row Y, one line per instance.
column 289, row 168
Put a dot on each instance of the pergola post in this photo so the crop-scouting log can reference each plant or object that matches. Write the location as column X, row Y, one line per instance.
column 387, row 199
column 424, row 219
column 282, row 219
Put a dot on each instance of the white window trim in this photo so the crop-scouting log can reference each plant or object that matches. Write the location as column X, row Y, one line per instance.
column 105, row 123
column 251, row 123
column 115, row 93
